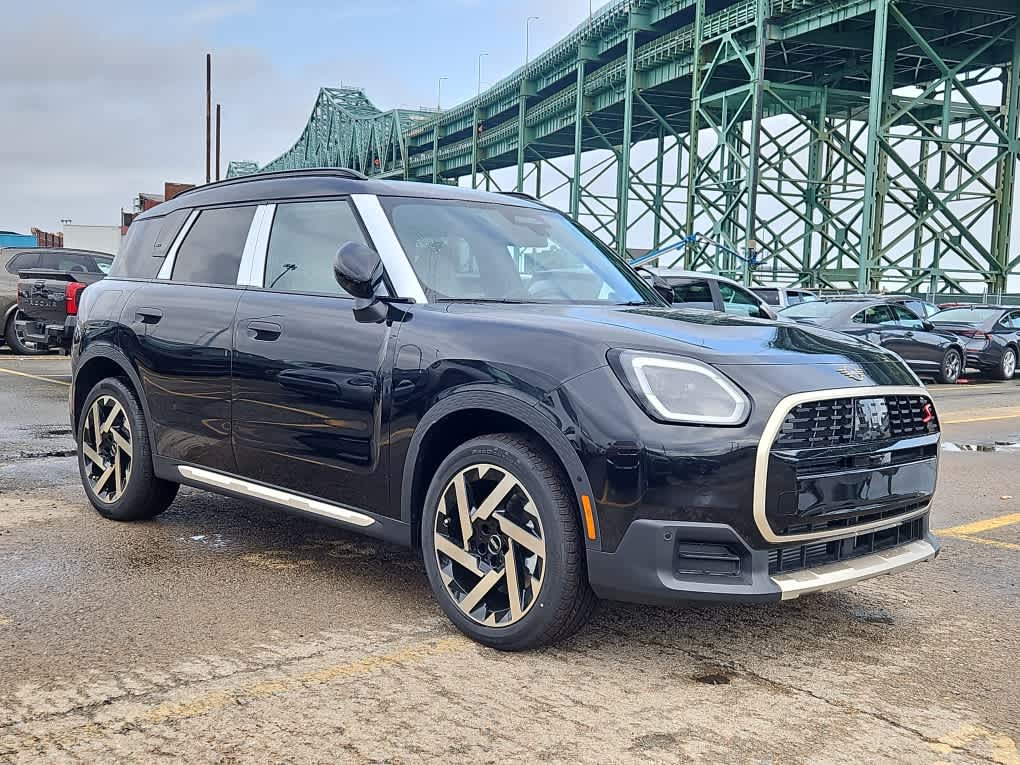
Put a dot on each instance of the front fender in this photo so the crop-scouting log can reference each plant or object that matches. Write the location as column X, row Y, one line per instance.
column 539, row 416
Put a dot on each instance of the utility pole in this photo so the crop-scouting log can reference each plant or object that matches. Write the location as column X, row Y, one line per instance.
column 439, row 98
column 208, row 116
column 217, row 141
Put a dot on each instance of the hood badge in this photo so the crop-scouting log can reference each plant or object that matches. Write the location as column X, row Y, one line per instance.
column 854, row 373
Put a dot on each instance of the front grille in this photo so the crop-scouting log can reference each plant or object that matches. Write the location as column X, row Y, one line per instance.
column 816, row 554
column 848, row 421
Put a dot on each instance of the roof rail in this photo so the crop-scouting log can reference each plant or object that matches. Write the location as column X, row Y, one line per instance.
column 336, row 172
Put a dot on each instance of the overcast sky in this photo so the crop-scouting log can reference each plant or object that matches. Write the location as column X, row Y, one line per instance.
column 102, row 100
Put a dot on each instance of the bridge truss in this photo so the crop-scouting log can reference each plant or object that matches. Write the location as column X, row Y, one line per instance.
column 848, row 142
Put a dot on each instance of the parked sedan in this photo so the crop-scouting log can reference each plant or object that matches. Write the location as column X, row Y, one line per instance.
column 992, row 335
column 929, row 351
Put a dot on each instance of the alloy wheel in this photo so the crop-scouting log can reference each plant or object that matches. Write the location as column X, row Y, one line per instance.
column 106, row 446
column 1008, row 364
column 952, row 365
column 489, row 545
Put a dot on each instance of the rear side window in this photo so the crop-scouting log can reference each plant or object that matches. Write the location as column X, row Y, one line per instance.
column 303, row 243
column 770, row 296
column 22, row 261
column 211, row 252
column 146, row 245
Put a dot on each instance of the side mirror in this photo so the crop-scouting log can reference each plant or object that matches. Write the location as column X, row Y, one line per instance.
column 359, row 270
column 665, row 291
column 927, row 325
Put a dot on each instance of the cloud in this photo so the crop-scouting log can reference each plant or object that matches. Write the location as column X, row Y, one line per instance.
column 98, row 115
column 210, row 13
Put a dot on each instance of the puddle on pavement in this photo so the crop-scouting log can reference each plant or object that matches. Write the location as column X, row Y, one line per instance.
column 212, row 541
column 1011, row 444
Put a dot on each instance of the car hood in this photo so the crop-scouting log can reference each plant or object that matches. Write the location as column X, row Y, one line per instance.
column 712, row 336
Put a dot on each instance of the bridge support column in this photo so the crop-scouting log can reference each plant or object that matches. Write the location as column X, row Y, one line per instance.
column 623, row 169
column 697, row 64
column 870, row 235
column 1005, row 172
column 475, row 118
column 584, row 54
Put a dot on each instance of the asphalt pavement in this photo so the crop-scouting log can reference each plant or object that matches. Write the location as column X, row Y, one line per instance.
column 227, row 632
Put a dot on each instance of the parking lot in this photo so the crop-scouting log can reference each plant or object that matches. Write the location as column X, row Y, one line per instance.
column 225, row 631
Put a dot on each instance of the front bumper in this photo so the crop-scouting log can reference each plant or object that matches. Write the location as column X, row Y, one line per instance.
column 668, row 563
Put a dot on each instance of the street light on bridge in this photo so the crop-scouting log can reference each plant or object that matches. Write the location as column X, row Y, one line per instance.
column 480, row 57
column 439, row 98
column 527, row 38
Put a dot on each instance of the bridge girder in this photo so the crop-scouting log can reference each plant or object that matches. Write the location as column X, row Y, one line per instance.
column 848, row 141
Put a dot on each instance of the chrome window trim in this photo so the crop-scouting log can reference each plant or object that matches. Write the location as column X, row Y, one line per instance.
column 768, row 437
column 835, row 575
column 167, row 269
column 384, row 238
column 253, row 260
column 275, row 496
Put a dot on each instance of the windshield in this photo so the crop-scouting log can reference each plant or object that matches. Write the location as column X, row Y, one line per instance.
column 476, row 251
column 966, row 315
column 814, row 309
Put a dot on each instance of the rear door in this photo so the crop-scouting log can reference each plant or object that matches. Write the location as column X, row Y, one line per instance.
column 182, row 324
column 922, row 350
column 308, row 379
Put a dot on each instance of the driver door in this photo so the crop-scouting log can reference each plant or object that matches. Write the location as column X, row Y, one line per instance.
column 308, row 378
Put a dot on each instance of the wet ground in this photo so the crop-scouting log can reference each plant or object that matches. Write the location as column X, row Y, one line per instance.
column 226, row 632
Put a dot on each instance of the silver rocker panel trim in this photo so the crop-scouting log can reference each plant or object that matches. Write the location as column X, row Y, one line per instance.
column 836, row 575
column 768, row 437
column 275, row 496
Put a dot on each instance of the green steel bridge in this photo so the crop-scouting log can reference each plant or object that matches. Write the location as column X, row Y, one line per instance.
column 847, row 142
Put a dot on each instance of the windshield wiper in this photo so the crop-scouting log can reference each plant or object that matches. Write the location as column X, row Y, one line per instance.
column 634, row 303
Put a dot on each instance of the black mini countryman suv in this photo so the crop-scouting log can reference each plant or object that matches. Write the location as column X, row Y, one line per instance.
column 475, row 376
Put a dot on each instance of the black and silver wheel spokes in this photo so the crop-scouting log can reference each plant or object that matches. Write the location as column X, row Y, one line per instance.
column 106, row 446
column 489, row 545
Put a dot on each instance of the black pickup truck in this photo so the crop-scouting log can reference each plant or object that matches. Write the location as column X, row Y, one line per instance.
column 48, row 305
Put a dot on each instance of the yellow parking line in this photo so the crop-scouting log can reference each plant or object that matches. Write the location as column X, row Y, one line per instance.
column 985, row 525
column 34, row 377
column 982, row 419
column 983, row 541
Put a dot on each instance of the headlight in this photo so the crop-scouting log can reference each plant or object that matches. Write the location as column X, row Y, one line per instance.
column 678, row 389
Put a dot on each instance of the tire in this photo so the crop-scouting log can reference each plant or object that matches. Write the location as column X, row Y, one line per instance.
column 1007, row 365
column 562, row 601
column 116, row 467
column 15, row 343
column 952, row 366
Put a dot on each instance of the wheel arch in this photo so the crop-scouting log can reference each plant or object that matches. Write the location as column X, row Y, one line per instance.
column 466, row 415
column 98, row 363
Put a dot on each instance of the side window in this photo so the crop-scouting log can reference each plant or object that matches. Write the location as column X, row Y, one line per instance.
column 1013, row 320
column 770, row 296
column 876, row 314
column 22, row 261
column 134, row 259
column 905, row 318
column 692, row 292
column 736, row 300
column 211, row 252
column 303, row 243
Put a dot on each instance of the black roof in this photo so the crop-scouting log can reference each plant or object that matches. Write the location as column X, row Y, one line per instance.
column 319, row 182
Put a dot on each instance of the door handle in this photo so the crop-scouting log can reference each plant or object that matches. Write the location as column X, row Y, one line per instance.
column 148, row 315
column 264, row 330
